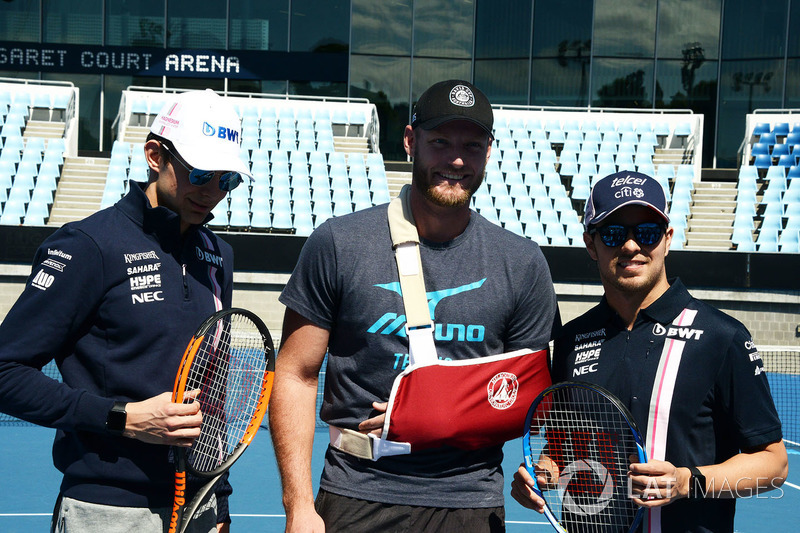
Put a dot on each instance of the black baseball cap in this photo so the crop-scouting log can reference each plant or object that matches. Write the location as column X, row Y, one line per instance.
column 452, row 100
column 624, row 188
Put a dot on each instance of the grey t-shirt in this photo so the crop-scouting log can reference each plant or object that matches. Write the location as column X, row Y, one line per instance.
column 491, row 292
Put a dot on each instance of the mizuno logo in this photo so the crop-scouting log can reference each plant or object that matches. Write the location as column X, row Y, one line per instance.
column 392, row 323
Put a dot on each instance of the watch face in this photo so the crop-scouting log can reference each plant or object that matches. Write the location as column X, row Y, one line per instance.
column 115, row 421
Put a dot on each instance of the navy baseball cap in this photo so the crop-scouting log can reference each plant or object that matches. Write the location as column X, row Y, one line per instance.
column 621, row 189
column 452, row 100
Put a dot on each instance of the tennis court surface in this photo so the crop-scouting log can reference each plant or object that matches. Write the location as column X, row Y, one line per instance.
column 30, row 484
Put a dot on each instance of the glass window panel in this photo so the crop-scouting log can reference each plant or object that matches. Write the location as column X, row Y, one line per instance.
column 193, row 24
column 688, row 85
column 625, row 28
column 135, row 23
column 19, row 21
column 318, row 88
column 503, row 29
column 426, row 72
column 382, row 27
column 257, row 86
column 754, row 30
column 793, row 84
column 72, row 22
column 320, row 25
column 503, row 81
column 684, row 24
column 259, row 25
column 744, row 86
column 443, row 28
column 385, row 82
column 794, row 37
column 562, row 28
column 560, row 82
column 622, row 83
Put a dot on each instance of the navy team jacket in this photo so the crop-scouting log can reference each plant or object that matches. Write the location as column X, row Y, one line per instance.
column 114, row 299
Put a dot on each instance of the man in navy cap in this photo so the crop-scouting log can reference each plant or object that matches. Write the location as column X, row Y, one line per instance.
column 489, row 292
column 690, row 374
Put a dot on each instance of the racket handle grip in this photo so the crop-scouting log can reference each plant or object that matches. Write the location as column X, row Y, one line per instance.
column 179, row 502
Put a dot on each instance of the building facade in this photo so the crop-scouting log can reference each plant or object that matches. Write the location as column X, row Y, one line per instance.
column 721, row 58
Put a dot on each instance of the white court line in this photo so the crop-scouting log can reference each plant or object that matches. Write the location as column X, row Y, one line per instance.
column 792, row 485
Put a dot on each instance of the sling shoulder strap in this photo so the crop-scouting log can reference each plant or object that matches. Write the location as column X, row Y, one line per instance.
column 405, row 241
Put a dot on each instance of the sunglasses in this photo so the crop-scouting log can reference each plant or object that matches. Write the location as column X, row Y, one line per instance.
column 646, row 234
column 227, row 181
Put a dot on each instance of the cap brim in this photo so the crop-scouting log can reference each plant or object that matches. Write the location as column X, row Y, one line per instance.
column 438, row 121
column 204, row 160
column 602, row 216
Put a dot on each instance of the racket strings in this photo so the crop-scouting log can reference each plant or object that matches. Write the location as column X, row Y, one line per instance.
column 582, row 446
column 228, row 370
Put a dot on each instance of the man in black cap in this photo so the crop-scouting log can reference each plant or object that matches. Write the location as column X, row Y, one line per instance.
column 690, row 374
column 488, row 291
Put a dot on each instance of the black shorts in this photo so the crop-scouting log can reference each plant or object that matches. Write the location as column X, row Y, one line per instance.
column 345, row 514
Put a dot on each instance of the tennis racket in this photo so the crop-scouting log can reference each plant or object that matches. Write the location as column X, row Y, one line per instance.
column 578, row 444
column 228, row 367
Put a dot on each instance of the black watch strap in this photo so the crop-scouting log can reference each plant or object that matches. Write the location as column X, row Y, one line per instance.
column 116, row 419
column 697, row 484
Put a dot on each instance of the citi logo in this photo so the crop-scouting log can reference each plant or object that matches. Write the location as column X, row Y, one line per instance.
column 221, row 132
column 681, row 333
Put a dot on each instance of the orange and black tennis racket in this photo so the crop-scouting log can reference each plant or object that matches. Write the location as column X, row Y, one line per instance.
column 228, row 367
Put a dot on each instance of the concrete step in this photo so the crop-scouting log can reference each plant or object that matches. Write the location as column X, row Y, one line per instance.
column 40, row 128
column 135, row 134
column 396, row 180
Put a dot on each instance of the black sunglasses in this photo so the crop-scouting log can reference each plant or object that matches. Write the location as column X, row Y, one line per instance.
column 227, row 181
column 646, row 233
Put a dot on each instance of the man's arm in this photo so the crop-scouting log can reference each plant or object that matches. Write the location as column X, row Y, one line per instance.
column 292, row 416
column 746, row 474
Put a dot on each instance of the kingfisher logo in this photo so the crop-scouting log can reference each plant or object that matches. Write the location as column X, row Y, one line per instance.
column 394, row 324
column 222, row 132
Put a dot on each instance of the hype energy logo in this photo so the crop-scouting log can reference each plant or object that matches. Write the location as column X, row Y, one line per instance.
column 394, row 324
column 222, row 132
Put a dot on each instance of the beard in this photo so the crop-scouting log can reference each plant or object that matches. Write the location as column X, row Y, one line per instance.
column 443, row 194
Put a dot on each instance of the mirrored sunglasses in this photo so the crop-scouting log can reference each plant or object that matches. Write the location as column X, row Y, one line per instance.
column 646, row 234
column 227, row 181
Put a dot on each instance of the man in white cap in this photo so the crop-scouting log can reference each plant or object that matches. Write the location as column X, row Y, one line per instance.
column 114, row 299
column 690, row 374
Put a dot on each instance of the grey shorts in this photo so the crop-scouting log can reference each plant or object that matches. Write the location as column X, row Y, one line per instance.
column 75, row 516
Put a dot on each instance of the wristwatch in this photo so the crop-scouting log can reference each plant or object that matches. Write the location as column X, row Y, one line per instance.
column 697, row 484
column 115, row 421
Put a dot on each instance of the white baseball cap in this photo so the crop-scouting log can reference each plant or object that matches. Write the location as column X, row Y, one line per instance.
column 205, row 130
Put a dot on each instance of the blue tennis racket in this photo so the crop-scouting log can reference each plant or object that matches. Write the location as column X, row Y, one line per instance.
column 578, row 445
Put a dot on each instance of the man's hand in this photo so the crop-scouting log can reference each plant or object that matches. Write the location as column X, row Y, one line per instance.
column 658, row 483
column 374, row 425
column 158, row 420
column 522, row 490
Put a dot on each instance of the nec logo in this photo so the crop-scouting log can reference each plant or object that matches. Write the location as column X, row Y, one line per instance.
column 585, row 369
column 681, row 333
column 222, row 132
column 147, row 297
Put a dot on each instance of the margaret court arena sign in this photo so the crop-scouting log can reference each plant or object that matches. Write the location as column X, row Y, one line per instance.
column 180, row 63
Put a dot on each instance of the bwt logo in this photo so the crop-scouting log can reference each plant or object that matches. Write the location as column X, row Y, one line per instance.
column 222, row 132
